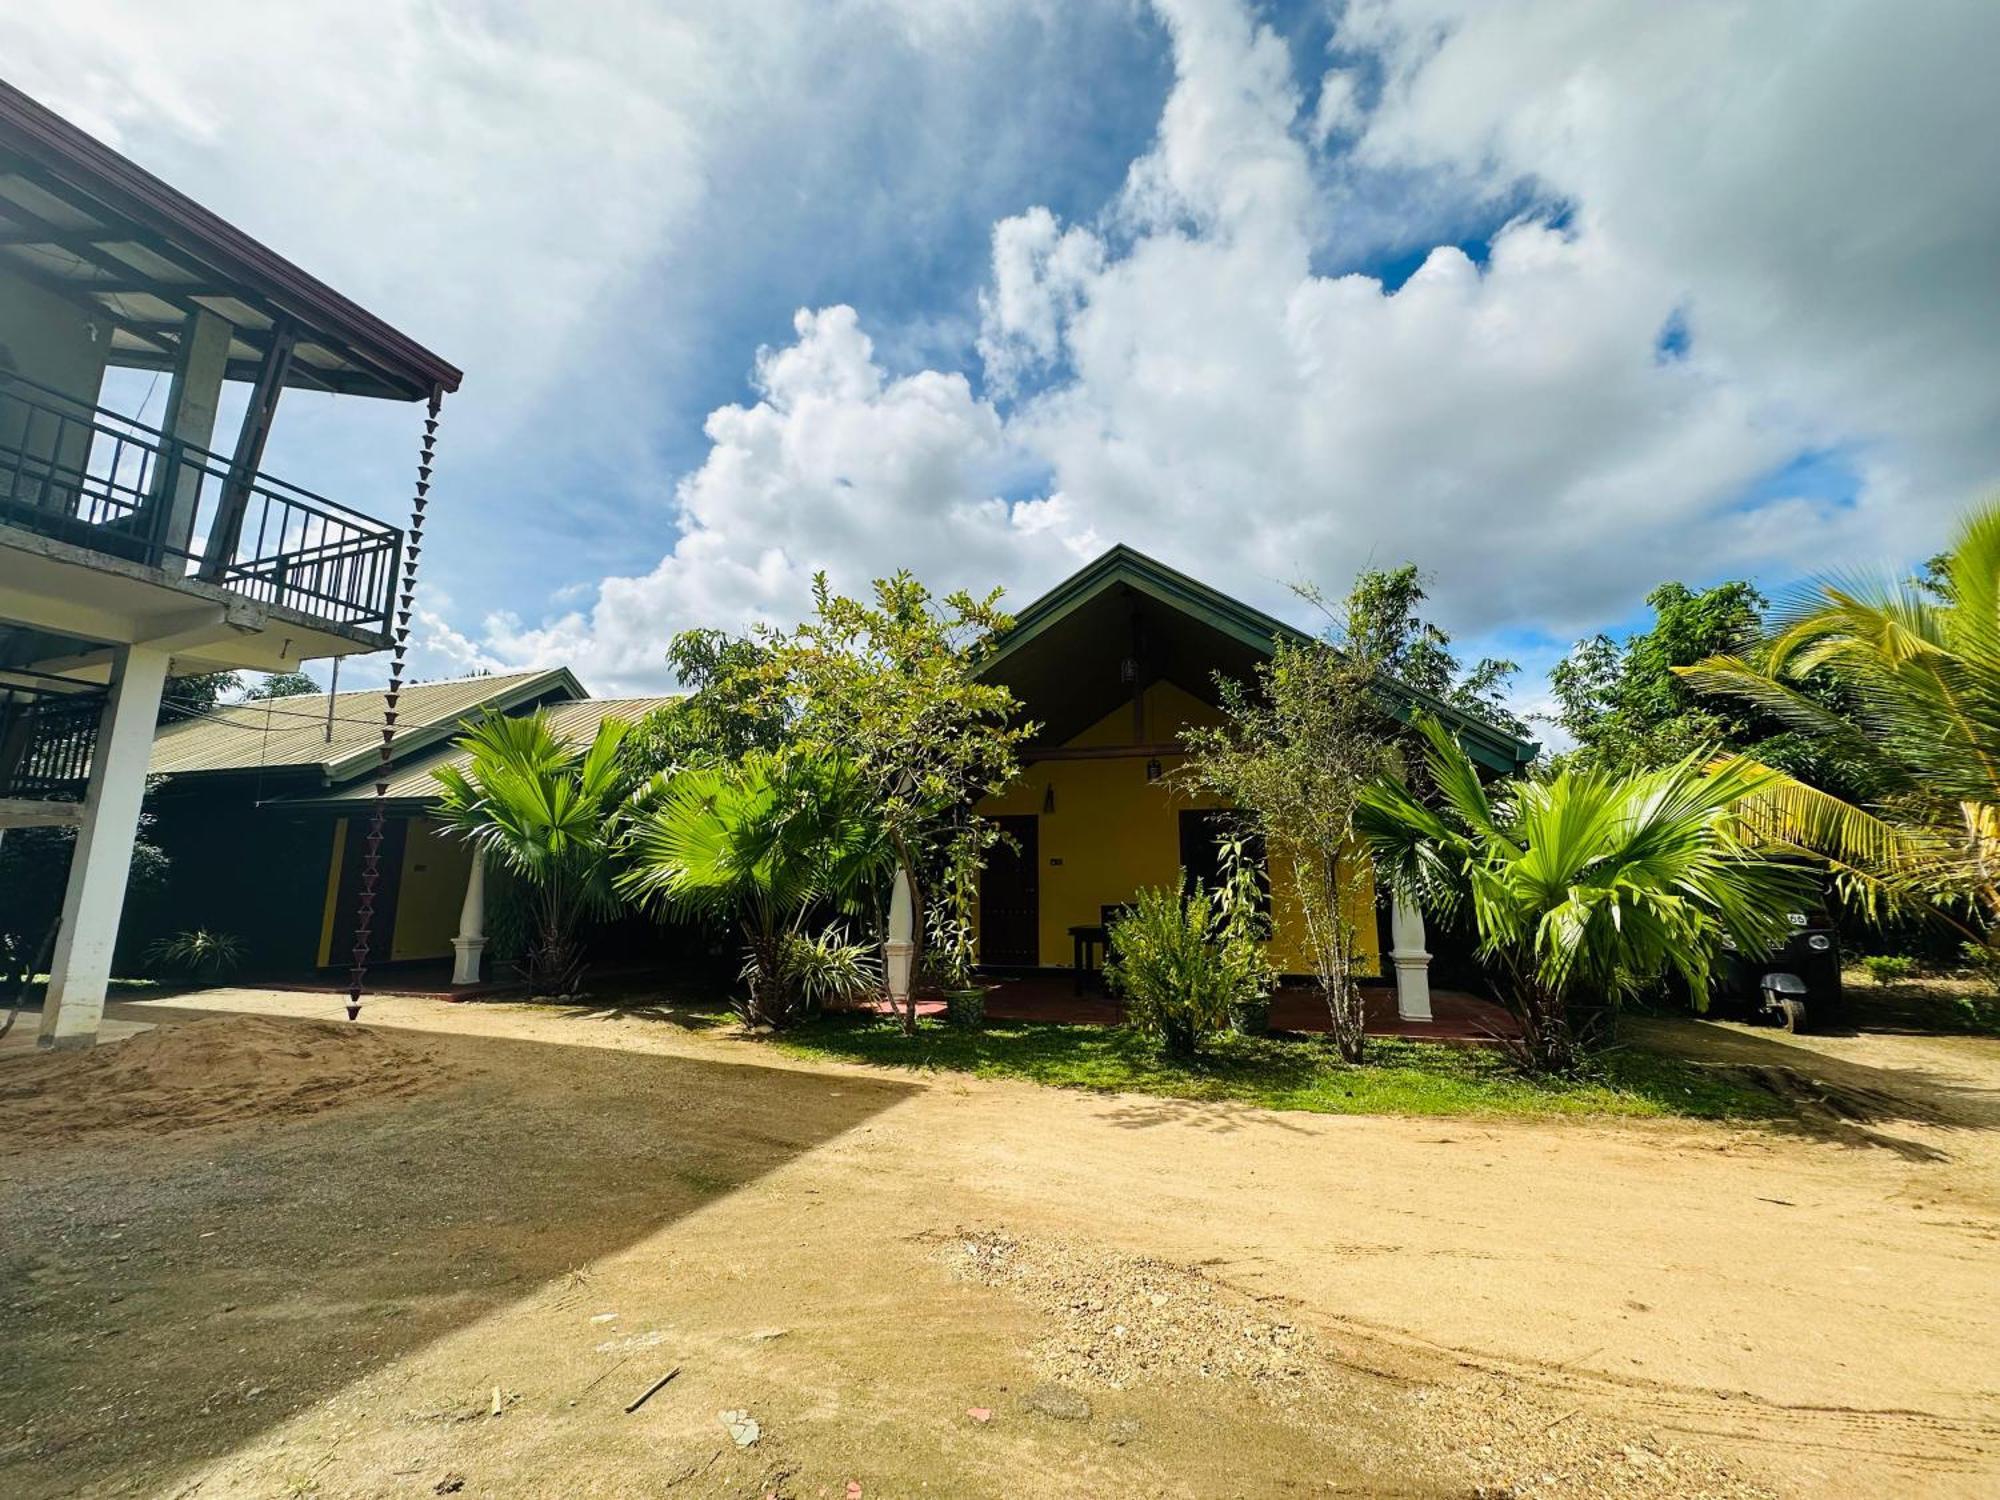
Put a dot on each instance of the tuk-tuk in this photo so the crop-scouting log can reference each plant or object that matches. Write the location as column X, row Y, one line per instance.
column 1797, row 978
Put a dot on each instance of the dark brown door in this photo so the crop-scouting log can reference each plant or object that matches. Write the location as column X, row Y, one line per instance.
column 1010, row 907
column 388, row 884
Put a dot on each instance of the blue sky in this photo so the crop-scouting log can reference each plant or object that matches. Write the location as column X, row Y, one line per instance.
column 1556, row 299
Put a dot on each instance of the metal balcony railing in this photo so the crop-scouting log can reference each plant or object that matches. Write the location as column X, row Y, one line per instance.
column 93, row 478
column 48, row 733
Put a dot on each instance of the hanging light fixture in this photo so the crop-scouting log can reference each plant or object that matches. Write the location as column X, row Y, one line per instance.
column 1153, row 769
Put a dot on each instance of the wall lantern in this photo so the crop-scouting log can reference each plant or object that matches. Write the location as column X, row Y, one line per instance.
column 1049, row 798
column 1153, row 769
column 1128, row 670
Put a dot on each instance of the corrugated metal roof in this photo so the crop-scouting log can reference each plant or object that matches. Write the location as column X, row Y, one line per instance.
column 414, row 780
column 292, row 732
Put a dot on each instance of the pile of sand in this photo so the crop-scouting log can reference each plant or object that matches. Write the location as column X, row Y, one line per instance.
column 214, row 1071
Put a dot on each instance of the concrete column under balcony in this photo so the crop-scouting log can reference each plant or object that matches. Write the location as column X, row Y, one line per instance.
column 103, row 858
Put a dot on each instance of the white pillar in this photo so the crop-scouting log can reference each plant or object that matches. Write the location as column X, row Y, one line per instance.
column 1413, row 963
column 471, row 940
column 95, row 897
column 900, row 949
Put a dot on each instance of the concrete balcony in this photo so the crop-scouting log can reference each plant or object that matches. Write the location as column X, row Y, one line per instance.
column 84, row 487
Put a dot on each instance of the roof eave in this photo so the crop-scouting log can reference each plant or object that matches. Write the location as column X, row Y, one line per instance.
column 1491, row 746
column 55, row 145
column 347, row 767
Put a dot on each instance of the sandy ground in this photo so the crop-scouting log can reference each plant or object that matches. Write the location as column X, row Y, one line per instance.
column 455, row 1283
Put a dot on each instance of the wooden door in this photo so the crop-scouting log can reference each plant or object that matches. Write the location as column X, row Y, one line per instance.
column 388, row 885
column 1010, row 907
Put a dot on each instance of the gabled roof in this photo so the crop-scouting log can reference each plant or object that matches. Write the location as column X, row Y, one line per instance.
column 1079, row 601
column 98, row 229
column 292, row 733
column 413, row 783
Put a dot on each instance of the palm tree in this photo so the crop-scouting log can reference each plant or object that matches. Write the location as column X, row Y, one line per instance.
column 1582, row 889
column 1919, row 662
column 551, row 814
column 765, row 842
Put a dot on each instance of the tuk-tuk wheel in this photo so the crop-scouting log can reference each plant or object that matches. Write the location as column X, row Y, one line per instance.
column 1790, row 1014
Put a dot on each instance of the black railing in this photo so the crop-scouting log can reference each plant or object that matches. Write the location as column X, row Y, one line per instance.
column 91, row 477
column 48, row 733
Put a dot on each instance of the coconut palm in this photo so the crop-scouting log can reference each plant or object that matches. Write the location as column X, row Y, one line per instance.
column 1582, row 889
column 1919, row 663
column 550, row 813
column 765, row 843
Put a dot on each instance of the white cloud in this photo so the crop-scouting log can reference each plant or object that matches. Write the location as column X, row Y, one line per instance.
column 1810, row 188
column 836, row 465
column 1817, row 181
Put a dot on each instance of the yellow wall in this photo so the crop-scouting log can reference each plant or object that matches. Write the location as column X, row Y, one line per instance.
column 435, row 867
column 332, row 891
column 428, row 899
column 1113, row 831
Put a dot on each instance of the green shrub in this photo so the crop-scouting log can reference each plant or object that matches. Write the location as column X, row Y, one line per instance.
column 826, row 969
column 1887, row 968
column 199, row 954
column 1181, row 968
column 1980, row 959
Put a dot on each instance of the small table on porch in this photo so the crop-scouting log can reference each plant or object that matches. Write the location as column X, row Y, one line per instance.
column 1088, row 943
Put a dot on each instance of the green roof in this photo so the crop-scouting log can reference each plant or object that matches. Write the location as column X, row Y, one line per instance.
column 341, row 737
column 413, row 783
column 1041, row 650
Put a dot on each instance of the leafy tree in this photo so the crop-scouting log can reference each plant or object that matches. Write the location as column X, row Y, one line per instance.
column 551, row 814
column 1624, row 706
column 1918, row 664
column 765, row 843
column 724, row 714
column 1629, row 709
column 1293, row 754
column 282, row 685
column 1584, row 888
column 889, row 687
column 1384, row 623
column 195, row 694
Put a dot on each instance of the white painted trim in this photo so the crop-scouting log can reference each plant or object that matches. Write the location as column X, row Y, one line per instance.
column 470, row 943
column 1412, row 961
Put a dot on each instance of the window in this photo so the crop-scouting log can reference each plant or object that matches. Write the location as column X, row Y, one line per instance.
column 1203, row 834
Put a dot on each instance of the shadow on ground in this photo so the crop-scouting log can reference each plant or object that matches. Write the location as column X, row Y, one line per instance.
column 1833, row 1097
column 168, row 1298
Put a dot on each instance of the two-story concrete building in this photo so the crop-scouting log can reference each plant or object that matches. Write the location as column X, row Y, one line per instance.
column 130, row 553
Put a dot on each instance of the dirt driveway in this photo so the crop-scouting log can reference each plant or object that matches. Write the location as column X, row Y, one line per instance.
column 453, row 1275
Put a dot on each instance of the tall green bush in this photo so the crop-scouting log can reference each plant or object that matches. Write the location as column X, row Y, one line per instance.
column 1182, row 966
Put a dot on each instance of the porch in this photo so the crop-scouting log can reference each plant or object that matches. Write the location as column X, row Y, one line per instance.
column 1455, row 1015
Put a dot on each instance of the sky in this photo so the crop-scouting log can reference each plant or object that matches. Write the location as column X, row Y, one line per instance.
column 1558, row 299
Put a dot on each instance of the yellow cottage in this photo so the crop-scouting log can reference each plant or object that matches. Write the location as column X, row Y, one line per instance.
column 1113, row 663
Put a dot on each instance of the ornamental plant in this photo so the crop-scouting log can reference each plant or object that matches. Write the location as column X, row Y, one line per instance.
column 1181, row 967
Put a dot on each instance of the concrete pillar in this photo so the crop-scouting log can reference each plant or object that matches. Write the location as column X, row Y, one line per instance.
column 98, row 869
column 192, row 401
column 1412, row 961
column 471, row 940
column 900, row 949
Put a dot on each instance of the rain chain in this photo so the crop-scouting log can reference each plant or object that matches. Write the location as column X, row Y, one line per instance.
column 371, row 859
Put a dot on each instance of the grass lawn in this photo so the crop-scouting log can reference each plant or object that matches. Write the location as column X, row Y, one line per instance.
column 1293, row 1072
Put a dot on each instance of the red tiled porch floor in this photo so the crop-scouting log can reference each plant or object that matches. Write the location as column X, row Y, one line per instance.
column 1456, row 1016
